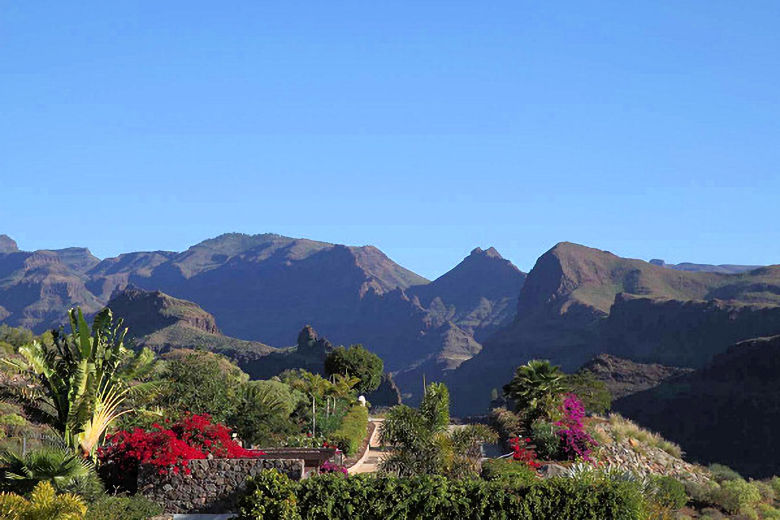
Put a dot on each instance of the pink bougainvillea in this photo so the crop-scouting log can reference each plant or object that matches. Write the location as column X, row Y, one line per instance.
column 575, row 441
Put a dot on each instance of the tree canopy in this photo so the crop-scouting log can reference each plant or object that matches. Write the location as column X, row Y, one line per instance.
column 356, row 361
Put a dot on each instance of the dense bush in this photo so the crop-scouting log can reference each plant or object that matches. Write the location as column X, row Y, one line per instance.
column 270, row 496
column 593, row 393
column 123, row 508
column 507, row 424
column 576, row 443
column 436, row 497
column 738, row 497
column 544, row 436
column 508, row 469
column 721, row 472
column 669, row 492
column 359, row 362
column 350, row 435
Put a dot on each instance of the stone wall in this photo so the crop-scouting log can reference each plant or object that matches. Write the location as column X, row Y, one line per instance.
column 212, row 486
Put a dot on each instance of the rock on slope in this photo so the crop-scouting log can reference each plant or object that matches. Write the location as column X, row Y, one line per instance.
column 624, row 377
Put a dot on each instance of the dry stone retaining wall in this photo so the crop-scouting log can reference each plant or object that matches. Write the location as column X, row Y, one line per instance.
column 213, row 485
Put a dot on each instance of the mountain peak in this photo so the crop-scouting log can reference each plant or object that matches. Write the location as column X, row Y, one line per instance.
column 7, row 244
column 490, row 252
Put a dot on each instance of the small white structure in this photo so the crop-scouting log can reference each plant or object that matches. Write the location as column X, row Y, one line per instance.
column 362, row 400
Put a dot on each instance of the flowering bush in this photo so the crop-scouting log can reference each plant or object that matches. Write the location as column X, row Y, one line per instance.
column 575, row 441
column 170, row 449
column 523, row 453
column 329, row 467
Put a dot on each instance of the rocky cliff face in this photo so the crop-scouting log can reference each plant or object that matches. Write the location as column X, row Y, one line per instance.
column 726, row 412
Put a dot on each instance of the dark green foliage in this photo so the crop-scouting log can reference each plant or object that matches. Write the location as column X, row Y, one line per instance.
column 544, row 435
column 352, row 431
column 669, row 492
column 592, row 392
column 536, row 389
column 262, row 416
column 721, row 472
column 430, row 497
column 518, row 473
column 201, row 382
column 123, row 508
column 358, row 362
column 270, row 496
column 507, row 424
column 435, row 407
column 60, row 467
column 15, row 336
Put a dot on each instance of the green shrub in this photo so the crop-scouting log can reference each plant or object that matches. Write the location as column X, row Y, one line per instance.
column 768, row 512
column 509, row 469
column 271, row 496
column 545, row 437
column 738, row 497
column 766, row 490
column 775, row 483
column 506, row 423
column 432, row 497
column 352, row 431
column 669, row 492
column 702, row 495
column 123, row 508
column 721, row 472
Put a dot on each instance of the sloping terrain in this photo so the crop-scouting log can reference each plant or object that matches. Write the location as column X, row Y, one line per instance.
column 162, row 323
column 726, row 412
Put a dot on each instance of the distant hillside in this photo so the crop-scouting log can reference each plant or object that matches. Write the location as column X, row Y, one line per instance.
column 261, row 287
column 162, row 323
column 578, row 302
column 726, row 412
column 706, row 268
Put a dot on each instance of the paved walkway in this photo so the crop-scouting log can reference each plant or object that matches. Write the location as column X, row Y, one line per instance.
column 370, row 463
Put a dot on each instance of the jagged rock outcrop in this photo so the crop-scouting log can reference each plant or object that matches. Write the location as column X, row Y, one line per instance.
column 387, row 394
column 624, row 377
column 7, row 244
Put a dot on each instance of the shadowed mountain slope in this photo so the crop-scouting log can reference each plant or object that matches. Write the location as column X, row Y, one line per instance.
column 726, row 412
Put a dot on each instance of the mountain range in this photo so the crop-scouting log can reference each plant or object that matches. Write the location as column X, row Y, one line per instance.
column 469, row 327
column 264, row 288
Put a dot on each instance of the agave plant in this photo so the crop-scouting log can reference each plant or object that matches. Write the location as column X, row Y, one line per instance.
column 78, row 383
column 44, row 503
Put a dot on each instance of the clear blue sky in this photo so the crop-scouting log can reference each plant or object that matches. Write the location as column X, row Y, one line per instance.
column 651, row 129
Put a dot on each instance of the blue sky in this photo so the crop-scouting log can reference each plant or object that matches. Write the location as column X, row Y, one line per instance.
column 650, row 129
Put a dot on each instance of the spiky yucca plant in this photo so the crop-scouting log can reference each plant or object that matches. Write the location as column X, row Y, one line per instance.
column 78, row 382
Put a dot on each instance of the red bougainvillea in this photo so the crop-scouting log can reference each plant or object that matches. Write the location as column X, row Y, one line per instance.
column 522, row 452
column 170, row 449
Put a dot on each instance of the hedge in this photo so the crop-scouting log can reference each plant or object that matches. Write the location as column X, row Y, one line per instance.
column 368, row 497
column 349, row 436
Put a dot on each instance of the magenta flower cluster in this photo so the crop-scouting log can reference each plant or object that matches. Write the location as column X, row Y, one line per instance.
column 329, row 467
column 575, row 441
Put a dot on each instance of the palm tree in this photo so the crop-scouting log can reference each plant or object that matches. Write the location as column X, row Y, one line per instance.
column 59, row 467
column 535, row 388
column 78, row 382
column 420, row 442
